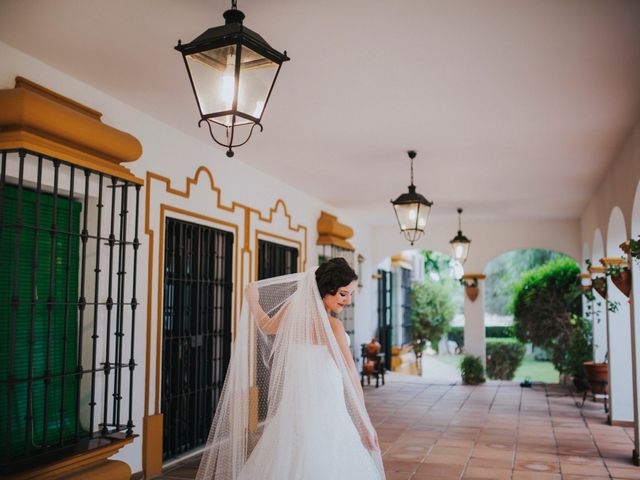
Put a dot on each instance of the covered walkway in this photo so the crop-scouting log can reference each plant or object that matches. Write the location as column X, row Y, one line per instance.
column 495, row 431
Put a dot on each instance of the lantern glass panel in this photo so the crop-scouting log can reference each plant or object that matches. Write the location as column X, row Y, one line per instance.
column 412, row 215
column 460, row 251
column 257, row 74
column 213, row 74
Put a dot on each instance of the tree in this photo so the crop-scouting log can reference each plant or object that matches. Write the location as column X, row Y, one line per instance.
column 505, row 271
column 432, row 310
column 547, row 311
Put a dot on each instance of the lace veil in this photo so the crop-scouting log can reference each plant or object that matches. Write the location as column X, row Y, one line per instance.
column 279, row 315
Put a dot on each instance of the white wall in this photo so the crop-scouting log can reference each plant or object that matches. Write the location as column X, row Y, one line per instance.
column 173, row 154
column 488, row 239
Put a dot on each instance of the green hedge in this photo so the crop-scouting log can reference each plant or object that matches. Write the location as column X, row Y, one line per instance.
column 500, row 332
column 456, row 334
column 504, row 356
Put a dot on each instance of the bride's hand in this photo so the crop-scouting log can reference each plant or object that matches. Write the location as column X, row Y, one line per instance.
column 371, row 442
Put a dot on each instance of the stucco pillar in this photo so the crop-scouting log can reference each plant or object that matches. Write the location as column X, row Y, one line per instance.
column 474, row 331
column 620, row 377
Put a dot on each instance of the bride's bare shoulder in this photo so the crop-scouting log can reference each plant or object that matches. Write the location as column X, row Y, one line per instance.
column 336, row 325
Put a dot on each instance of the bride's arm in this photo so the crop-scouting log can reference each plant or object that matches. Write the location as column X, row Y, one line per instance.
column 341, row 338
column 268, row 324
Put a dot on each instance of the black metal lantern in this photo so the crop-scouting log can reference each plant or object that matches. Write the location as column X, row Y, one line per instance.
column 412, row 210
column 460, row 244
column 232, row 71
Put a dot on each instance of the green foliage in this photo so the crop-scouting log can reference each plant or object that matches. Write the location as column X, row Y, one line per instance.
column 472, row 370
column 547, row 312
column 499, row 331
column 504, row 356
column 456, row 334
column 431, row 310
column 504, row 272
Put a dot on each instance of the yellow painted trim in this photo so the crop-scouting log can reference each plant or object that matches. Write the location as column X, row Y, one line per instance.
column 611, row 261
column 37, row 119
column 239, row 262
column 332, row 232
column 75, row 463
column 474, row 276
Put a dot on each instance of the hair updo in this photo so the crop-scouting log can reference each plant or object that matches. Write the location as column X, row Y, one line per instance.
column 333, row 274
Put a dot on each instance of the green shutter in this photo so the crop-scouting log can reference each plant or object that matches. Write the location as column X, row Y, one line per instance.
column 59, row 361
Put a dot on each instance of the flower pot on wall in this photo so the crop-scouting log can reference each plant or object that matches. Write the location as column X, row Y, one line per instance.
column 472, row 292
column 623, row 281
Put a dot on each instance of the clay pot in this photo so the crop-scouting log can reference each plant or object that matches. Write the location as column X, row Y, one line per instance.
column 369, row 367
column 472, row 292
column 373, row 349
column 623, row 281
column 597, row 374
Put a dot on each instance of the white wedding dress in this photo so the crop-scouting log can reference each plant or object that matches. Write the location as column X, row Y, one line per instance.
column 292, row 406
column 311, row 436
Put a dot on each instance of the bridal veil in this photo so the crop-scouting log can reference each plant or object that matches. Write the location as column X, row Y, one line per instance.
column 280, row 317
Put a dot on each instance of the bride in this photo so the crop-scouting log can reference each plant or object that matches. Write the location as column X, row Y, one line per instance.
column 292, row 407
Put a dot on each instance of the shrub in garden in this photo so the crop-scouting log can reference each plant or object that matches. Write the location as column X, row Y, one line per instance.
column 472, row 370
column 504, row 356
column 547, row 311
column 456, row 334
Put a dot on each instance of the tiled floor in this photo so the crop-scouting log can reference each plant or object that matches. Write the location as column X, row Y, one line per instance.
column 494, row 431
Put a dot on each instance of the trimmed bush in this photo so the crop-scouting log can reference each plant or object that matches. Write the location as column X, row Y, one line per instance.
column 456, row 334
column 504, row 356
column 472, row 370
column 547, row 309
column 500, row 332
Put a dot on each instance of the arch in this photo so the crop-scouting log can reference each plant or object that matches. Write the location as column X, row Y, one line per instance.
column 597, row 246
column 618, row 329
column 599, row 326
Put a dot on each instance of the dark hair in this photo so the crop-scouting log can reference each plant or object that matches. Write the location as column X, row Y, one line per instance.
column 333, row 274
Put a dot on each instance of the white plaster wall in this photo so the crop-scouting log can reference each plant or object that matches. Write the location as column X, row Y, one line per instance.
column 171, row 153
column 488, row 239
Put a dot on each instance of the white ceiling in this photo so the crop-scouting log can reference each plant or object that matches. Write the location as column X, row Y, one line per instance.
column 515, row 107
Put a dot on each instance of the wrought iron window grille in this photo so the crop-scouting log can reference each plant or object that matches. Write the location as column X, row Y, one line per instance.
column 68, row 265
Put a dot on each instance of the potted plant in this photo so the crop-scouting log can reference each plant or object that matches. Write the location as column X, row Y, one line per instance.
column 600, row 285
column 631, row 247
column 598, row 377
column 471, row 288
column 472, row 370
column 620, row 276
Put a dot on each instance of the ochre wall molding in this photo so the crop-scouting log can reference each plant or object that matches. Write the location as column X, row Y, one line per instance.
column 332, row 232
column 37, row 119
column 158, row 203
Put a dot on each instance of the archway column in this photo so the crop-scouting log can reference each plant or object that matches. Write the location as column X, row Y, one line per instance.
column 620, row 350
column 474, row 331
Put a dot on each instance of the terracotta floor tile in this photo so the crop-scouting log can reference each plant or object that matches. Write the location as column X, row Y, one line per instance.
column 486, row 473
column 525, row 475
column 537, row 466
column 440, row 469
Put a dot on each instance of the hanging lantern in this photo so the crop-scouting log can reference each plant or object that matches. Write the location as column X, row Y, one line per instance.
column 412, row 210
column 460, row 244
column 232, row 71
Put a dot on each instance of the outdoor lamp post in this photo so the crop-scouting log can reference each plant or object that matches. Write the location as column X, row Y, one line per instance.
column 232, row 71
column 412, row 210
column 460, row 244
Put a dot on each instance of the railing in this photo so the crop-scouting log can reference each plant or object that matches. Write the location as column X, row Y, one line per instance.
column 68, row 254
